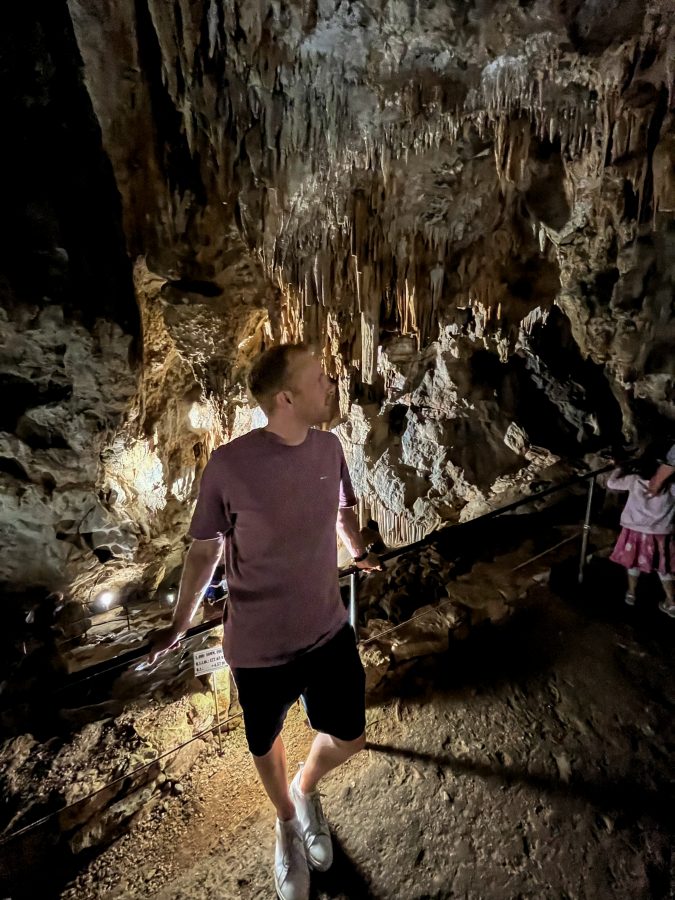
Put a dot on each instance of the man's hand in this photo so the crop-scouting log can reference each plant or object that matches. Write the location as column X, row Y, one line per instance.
column 162, row 641
column 370, row 564
column 200, row 564
column 350, row 534
column 659, row 478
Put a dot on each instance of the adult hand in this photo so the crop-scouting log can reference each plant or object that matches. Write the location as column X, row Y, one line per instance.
column 370, row 564
column 659, row 478
column 161, row 642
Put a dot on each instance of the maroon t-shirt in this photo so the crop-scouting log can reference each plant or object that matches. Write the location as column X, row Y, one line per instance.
column 276, row 506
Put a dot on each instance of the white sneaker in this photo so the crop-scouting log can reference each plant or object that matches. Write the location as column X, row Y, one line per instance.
column 291, row 874
column 315, row 833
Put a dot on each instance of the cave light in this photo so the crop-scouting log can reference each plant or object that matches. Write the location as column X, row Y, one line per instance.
column 105, row 599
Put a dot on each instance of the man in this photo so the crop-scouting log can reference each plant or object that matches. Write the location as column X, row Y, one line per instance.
column 275, row 497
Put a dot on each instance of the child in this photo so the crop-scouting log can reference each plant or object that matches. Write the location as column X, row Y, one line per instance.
column 646, row 541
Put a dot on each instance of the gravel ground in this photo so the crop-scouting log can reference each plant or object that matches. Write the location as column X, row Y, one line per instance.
column 532, row 761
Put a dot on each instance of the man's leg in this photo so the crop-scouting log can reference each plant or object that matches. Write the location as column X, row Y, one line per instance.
column 272, row 771
column 266, row 695
column 327, row 753
column 335, row 702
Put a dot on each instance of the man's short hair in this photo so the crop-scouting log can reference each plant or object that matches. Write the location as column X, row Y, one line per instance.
column 269, row 373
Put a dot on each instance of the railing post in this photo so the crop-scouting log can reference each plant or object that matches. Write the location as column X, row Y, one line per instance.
column 587, row 529
column 353, row 606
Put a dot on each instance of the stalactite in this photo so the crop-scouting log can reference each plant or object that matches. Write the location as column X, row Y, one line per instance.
column 309, row 123
column 396, row 528
column 664, row 176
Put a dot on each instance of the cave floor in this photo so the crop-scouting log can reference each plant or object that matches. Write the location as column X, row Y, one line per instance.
column 533, row 761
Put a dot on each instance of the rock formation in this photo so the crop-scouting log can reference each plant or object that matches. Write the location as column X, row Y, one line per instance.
column 467, row 207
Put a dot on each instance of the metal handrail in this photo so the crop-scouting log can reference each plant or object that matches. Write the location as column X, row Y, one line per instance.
column 435, row 535
column 129, row 657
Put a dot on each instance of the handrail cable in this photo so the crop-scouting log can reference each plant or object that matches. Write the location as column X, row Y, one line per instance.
column 56, row 812
column 444, row 603
column 434, row 535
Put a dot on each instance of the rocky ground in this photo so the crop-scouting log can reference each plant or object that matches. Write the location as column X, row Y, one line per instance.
column 530, row 761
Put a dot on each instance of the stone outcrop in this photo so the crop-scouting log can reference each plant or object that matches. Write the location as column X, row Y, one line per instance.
column 113, row 771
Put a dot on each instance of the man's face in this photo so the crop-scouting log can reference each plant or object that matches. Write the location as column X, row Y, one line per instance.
column 311, row 390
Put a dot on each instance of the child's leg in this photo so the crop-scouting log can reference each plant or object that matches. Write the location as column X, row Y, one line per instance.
column 633, row 575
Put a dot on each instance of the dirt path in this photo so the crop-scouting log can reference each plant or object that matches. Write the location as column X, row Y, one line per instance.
column 532, row 762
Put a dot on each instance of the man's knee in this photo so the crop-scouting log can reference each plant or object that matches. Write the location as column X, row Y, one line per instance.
column 352, row 747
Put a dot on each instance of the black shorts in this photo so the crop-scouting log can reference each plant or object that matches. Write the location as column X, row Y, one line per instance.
column 331, row 681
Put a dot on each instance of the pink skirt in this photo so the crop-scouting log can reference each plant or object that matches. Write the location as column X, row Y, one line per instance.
column 646, row 552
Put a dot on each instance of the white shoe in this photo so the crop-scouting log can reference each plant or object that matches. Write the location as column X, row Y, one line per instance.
column 315, row 833
column 291, row 874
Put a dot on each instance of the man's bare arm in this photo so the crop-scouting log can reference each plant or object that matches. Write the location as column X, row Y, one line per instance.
column 348, row 528
column 200, row 563
column 661, row 475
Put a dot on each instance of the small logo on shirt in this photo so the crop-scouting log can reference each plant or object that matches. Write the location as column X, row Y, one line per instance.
column 323, row 477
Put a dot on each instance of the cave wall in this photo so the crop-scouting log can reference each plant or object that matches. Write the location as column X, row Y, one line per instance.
column 70, row 321
column 468, row 207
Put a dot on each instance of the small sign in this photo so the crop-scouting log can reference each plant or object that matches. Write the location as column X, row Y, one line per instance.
column 206, row 661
